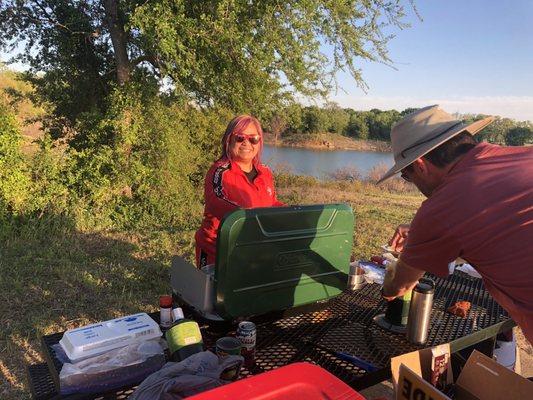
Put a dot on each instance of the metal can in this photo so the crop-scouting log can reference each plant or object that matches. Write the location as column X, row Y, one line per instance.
column 226, row 346
column 247, row 334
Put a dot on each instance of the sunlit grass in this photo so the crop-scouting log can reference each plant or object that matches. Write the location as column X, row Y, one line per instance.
column 56, row 276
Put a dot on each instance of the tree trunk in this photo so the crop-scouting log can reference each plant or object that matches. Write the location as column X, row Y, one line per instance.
column 277, row 126
column 119, row 40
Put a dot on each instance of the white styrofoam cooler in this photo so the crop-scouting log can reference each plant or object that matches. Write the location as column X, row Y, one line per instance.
column 95, row 339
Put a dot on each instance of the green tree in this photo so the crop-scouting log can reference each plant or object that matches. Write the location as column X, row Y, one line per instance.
column 294, row 113
column 408, row 111
column 277, row 125
column 245, row 55
column 141, row 90
column 338, row 118
column 314, row 120
column 495, row 132
column 380, row 123
column 358, row 126
column 519, row 136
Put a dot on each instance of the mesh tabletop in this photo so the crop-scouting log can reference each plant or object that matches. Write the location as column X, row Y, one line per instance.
column 345, row 324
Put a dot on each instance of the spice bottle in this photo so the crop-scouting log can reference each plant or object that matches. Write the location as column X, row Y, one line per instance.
column 165, row 311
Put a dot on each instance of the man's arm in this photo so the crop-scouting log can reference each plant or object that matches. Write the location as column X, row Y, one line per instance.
column 399, row 279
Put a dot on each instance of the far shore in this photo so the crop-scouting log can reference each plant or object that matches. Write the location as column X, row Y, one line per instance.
column 329, row 142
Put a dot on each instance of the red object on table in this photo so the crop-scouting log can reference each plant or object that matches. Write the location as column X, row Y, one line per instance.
column 294, row 381
column 460, row 308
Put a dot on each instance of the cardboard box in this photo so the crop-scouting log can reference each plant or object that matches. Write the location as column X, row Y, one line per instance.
column 482, row 378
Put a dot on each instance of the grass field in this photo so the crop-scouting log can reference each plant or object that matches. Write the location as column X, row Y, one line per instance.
column 55, row 276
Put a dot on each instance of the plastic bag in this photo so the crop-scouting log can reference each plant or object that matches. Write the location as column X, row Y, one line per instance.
column 468, row 269
column 373, row 273
column 127, row 365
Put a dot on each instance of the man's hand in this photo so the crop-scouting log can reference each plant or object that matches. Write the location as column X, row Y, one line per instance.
column 399, row 238
column 386, row 290
column 399, row 278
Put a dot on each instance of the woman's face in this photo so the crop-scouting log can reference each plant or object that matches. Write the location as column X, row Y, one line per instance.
column 245, row 145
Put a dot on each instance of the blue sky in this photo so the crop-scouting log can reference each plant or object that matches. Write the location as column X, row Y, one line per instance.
column 469, row 56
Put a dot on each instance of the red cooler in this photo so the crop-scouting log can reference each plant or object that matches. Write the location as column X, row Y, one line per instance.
column 294, row 381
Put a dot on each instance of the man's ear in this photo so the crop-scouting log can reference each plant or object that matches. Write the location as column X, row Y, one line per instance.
column 419, row 165
column 423, row 167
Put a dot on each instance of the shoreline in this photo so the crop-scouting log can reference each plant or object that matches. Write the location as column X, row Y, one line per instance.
column 329, row 142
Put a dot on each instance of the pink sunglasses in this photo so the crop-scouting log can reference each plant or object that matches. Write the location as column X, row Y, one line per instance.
column 252, row 139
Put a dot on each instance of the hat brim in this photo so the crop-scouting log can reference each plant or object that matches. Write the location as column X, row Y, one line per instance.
column 472, row 128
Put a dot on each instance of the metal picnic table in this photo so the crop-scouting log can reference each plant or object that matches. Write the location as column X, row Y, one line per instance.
column 342, row 324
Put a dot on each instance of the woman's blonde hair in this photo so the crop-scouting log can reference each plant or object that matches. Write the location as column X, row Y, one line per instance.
column 238, row 125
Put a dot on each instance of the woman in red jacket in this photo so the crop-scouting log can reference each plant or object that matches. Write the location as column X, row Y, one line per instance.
column 236, row 180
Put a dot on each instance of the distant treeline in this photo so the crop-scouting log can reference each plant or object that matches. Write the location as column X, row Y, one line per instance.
column 376, row 124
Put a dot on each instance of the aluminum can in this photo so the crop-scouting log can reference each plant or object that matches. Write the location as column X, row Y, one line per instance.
column 247, row 334
column 420, row 311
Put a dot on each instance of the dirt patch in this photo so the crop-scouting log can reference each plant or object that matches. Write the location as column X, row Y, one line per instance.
column 526, row 354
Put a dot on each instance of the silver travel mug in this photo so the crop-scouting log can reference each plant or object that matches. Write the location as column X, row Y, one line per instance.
column 420, row 311
column 356, row 278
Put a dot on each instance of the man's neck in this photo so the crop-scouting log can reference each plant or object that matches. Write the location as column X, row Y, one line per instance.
column 450, row 166
column 440, row 174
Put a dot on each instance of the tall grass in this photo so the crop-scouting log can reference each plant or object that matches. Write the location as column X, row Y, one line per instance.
column 394, row 184
column 58, row 275
column 351, row 174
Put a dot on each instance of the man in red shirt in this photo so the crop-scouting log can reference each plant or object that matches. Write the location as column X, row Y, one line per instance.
column 479, row 207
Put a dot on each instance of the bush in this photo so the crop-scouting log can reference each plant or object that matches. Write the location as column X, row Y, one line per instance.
column 350, row 174
column 143, row 163
column 15, row 184
column 49, row 179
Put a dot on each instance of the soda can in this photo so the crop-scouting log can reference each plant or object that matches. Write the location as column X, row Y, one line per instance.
column 247, row 334
column 225, row 347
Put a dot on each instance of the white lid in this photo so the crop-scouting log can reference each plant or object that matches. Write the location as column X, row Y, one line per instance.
column 177, row 314
column 91, row 340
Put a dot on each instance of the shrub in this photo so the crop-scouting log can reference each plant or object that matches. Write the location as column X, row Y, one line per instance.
column 15, row 181
column 350, row 174
column 143, row 163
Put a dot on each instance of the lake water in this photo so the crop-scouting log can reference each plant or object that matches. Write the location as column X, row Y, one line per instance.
column 321, row 164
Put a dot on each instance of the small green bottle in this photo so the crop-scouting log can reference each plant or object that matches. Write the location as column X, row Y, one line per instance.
column 183, row 338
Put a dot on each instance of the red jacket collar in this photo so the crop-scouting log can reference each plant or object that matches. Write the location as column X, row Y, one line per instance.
column 235, row 167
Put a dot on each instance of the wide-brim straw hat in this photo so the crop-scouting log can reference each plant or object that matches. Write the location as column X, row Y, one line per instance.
column 422, row 131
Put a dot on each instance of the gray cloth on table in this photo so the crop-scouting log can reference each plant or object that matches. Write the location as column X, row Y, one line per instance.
column 177, row 380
